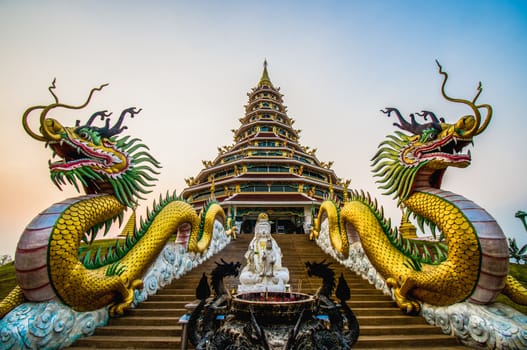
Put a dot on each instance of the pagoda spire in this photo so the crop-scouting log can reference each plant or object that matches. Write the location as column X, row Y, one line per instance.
column 265, row 80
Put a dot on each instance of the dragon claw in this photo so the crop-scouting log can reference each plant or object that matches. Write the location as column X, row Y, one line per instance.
column 118, row 309
column 136, row 284
column 408, row 306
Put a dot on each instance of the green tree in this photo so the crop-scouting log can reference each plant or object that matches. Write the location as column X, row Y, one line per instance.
column 515, row 252
column 5, row 259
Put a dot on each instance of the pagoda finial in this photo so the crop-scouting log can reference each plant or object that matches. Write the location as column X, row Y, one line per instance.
column 264, row 80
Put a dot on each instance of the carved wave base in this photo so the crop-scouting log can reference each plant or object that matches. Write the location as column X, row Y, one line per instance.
column 53, row 325
column 494, row 327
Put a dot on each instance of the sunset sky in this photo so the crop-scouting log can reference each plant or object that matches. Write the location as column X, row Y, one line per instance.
column 189, row 65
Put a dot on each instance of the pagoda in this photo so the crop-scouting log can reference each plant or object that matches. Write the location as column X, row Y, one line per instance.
column 266, row 169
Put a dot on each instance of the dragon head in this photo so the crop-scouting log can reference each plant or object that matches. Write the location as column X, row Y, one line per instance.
column 405, row 162
column 96, row 157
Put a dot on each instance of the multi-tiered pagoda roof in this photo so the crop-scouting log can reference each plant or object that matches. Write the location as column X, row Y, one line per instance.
column 266, row 169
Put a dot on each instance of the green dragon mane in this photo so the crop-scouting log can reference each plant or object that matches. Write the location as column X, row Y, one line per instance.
column 396, row 177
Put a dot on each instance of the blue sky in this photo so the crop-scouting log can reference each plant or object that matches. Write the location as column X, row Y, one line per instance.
column 189, row 65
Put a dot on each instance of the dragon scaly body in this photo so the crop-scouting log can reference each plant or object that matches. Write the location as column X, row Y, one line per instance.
column 113, row 172
column 470, row 262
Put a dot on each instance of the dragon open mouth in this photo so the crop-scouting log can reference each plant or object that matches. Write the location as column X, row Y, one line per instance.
column 77, row 154
column 448, row 149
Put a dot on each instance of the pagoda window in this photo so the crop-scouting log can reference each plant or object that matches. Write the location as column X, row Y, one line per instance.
column 265, row 128
column 254, row 188
column 265, row 105
column 261, row 188
column 292, row 188
column 303, row 160
column 284, row 188
column 277, row 188
column 314, row 175
column 267, row 116
column 278, row 169
column 266, row 144
column 256, row 169
column 202, row 195
column 232, row 157
column 268, row 153
column 267, row 169
column 225, row 173
column 246, row 188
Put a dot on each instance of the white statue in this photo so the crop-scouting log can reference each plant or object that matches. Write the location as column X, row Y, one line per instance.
column 263, row 270
column 268, row 259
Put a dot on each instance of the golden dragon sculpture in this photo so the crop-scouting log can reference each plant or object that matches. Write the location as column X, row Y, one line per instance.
column 114, row 172
column 470, row 261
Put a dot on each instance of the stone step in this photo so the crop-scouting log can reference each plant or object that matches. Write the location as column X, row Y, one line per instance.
column 154, row 324
column 132, row 342
column 143, row 312
column 428, row 347
column 404, row 341
column 167, row 312
column 141, row 330
column 171, row 303
column 376, row 320
column 399, row 341
column 366, row 320
column 356, row 298
column 150, row 321
column 396, row 329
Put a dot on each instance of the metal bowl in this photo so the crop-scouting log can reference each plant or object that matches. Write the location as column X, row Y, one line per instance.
column 271, row 307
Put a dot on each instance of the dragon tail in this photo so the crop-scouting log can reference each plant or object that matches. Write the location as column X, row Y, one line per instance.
column 515, row 290
column 12, row 300
column 353, row 324
column 195, row 337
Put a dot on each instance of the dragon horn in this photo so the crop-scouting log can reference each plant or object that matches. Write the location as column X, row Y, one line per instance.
column 426, row 114
column 118, row 127
column 403, row 124
column 47, row 129
column 478, row 126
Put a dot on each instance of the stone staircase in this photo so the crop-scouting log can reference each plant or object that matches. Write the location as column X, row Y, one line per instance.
column 154, row 323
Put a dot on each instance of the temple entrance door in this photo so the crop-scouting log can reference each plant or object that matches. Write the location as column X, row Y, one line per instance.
column 283, row 220
column 248, row 226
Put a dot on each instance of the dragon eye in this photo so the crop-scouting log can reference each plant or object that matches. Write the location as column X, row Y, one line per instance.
column 428, row 135
column 90, row 135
